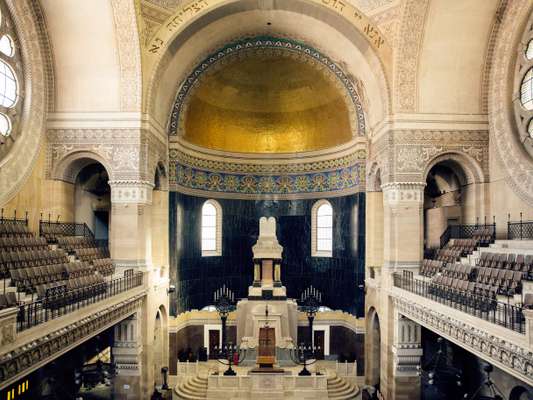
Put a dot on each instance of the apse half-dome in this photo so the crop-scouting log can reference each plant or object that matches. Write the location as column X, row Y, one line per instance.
column 268, row 100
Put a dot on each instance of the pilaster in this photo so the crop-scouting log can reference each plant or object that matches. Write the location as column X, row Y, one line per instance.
column 126, row 353
column 130, row 225
column 403, row 231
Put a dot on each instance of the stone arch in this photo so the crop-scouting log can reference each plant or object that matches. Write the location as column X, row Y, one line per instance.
column 342, row 19
column 471, row 171
column 160, row 343
column 68, row 167
column 373, row 179
column 471, row 176
column 373, row 348
column 160, row 177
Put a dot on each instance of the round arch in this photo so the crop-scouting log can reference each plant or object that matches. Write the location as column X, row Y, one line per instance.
column 180, row 31
column 160, row 343
column 373, row 348
column 468, row 169
column 68, row 168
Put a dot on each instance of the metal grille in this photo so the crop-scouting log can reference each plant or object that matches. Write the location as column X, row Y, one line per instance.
column 48, row 228
column 488, row 309
column 59, row 301
column 520, row 230
column 465, row 232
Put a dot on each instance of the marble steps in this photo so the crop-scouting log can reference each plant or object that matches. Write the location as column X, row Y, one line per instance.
column 340, row 389
column 192, row 389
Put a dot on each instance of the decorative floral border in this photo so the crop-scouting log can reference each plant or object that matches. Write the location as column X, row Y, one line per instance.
column 262, row 42
column 350, row 178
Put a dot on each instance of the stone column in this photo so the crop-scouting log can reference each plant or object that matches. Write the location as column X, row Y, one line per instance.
column 528, row 315
column 126, row 353
column 403, row 236
column 407, row 350
column 130, row 225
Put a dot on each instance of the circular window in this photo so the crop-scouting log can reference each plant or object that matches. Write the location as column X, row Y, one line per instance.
column 6, row 46
column 523, row 105
column 5, row 125
column 11, row 79
column 529, row 50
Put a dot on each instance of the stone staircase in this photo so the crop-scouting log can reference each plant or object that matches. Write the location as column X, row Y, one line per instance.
column 194, row 388
column 340, row 389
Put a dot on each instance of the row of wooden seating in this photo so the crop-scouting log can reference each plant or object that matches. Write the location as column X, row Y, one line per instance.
column 8, row 300
column 104, row 266
column 448, row 255
column 458, row 271
column 483, row 236
column 92, row 253
column 30, row 258
column 70, row 291
column 11, row 243
column 431, row 267
column 505, row 281
column 442, row 285
column 9, row 228
column 71, row 243
column 514, row 262
column 466, row 246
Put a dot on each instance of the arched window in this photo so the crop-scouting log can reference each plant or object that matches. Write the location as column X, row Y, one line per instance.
column 211, row 231
column 322, row 229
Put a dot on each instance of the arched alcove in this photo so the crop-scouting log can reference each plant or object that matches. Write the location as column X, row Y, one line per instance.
column 373, row 347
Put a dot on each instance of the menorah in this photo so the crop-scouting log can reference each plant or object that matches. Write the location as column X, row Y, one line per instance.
column 229, row 355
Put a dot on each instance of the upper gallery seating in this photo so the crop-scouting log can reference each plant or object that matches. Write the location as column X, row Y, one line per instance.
column 32, row 266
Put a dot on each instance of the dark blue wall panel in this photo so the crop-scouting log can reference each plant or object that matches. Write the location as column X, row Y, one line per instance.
column 338, row 277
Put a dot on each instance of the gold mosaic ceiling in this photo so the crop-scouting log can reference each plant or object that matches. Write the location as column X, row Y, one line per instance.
column 267, row 103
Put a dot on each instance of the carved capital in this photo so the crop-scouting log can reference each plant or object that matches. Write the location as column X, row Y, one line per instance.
column 396, row 193
column 131, row 191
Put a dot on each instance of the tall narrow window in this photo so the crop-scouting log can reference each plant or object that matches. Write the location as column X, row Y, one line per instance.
column 322, row 229
column 211, row 229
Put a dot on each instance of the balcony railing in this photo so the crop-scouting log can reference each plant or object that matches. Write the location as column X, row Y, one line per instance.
column 519, row 230
column 49, row 228
column 488, row 309
column 59, row 302
column 465, row 232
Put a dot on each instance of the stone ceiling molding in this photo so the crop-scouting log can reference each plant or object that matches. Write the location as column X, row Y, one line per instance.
column 17, row 165
column 129, row 53
column 517, row 164
column 410, row 37
column 262, row 43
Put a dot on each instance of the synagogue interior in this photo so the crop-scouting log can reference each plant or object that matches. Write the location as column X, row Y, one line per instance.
column 266, row 199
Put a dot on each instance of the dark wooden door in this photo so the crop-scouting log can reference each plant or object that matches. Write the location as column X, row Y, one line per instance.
column 267, row 342
column 319, row 342
column 214, row 342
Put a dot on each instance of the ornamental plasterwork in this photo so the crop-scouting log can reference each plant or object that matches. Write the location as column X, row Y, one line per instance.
column 129, row 153
column 284, row 47
column 517, row 165
column 407, row 50
column 16, row 166
column 126, row 192
column 401, row 192
column 129, row 54
column 515, row 359
column 14, row 363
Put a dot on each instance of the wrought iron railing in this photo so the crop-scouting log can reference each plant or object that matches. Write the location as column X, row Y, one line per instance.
column 488, row 309
column 59, row 302
column 14, row 220
column 520, row 229
column 466, row 231
column 52, row 229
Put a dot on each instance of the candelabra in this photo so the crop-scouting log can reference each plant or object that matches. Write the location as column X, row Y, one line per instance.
column 495, row 392
column 309, row 303
column 225, row 303
column 302, row 354
column 230, row 355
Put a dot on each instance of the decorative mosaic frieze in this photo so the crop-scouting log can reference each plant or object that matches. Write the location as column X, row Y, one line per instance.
column 262, row 43
column 344, row 180
column 516, row 359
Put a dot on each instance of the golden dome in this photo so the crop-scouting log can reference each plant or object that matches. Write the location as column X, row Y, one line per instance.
column 267, row 103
